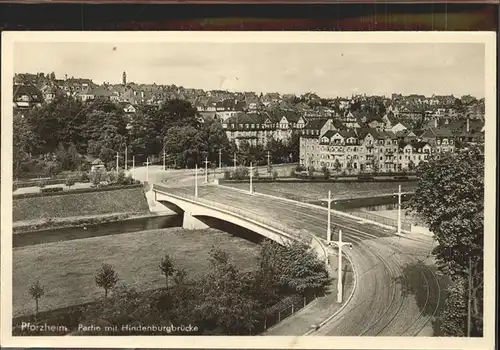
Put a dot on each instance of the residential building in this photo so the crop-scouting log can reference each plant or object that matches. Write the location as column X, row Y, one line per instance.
column 26, row 97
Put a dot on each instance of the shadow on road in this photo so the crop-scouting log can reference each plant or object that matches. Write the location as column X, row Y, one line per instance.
column 428, row 289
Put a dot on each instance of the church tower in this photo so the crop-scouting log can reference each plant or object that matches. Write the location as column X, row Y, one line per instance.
column 124, row 78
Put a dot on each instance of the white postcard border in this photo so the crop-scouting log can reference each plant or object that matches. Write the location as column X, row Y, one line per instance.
column 257, row 342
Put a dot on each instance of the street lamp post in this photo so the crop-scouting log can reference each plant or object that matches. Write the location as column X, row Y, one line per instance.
column 220, row 160
column 147, row 170
column 340, row 244
column 206, row 169
column 196, row 181
column 251, row 174
column 133, row 167
column 117, row 160
column 126, row 159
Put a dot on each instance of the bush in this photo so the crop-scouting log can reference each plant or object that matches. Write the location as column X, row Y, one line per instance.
column 299, row 168
column 75, row 191
column 275, row 175
column 70, row 181
column 240, row 173
column 52, row 189
column 227, row 174
column 310, row 171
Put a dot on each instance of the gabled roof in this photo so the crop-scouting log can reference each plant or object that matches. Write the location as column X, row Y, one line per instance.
column 34, row 94
column 436, row 132
column 347, row 133
column 315, row 124
column 329, row 133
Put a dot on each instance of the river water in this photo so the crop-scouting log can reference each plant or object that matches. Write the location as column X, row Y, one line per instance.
column 104, row 229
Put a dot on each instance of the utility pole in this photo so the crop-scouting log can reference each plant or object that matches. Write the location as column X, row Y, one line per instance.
column 126, row 159
column 469, row 303
column 220, row 159
column 234, row 166
column 206, row 169
column 196, row 181
column 117, row 160
column 147, row 170
column 340, row 244
column 251, row 174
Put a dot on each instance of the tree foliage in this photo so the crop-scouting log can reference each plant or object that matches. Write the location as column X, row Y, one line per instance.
column 106, row 278
column 36, row 291
column 450, row 200
column 167, row 267
column 227, row 305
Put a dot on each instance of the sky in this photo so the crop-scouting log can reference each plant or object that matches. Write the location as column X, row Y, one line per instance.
column 328, row 69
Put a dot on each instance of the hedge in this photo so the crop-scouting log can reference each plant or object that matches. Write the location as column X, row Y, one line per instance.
column 75, row 191
column 46, row 182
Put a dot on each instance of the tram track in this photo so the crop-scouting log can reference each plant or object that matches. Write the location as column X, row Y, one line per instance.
column 387, row 320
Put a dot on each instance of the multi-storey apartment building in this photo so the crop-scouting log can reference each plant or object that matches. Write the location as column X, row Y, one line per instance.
column 259, row 128
column 364, row 150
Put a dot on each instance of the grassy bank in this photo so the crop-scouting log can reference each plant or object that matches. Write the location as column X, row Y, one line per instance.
column 67, row 269
column 130, row 200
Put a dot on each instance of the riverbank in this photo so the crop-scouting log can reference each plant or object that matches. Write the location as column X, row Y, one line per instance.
column 67, row 268
column 75, row 205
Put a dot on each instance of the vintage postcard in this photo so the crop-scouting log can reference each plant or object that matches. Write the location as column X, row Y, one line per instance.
column 243, row 189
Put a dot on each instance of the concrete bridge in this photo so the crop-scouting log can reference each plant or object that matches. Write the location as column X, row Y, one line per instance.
column 198, row 212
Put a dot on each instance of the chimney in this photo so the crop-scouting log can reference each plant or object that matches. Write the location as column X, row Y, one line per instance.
column 468, row 125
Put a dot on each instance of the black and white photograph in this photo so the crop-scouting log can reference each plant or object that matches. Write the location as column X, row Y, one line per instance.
column 294, row 189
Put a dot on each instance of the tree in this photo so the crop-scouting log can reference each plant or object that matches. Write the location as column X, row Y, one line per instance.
column 24, row 142
column 337, row 166
column 186, row 143
column 411, row 165
column 227, row 305
column 106, row 278
column 349, row 166
column 179, row 276
column 167, row 267
column 450, row 201
column 310, row 171
column 36, row 291
column 326, row 172
column 70, row 181
column 42, row 183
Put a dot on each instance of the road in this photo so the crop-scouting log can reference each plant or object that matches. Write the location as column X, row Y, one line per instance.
column 383, row 303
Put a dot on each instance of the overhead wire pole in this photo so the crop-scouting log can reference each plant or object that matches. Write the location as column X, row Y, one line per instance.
column 329, row 227
column 399, row 194
column 340, row 244
column 234, row 165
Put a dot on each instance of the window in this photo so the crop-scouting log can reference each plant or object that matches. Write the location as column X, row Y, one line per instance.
column 355, row 149
column 232, row 126
column 241, row 126
column 381, row 158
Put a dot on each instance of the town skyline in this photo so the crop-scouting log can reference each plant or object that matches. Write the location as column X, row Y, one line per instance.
column 424, row 69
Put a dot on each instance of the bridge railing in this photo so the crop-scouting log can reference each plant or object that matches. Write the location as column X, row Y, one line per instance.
column 246, row 214
column 381, row 219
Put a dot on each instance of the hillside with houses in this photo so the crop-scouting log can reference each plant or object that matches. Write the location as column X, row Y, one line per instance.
column 332, row 131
